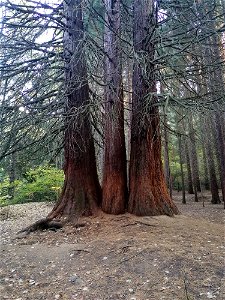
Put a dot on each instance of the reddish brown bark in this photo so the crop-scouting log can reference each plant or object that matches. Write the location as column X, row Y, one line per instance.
column 148, row 191
column 81, row 191
column 114, row 188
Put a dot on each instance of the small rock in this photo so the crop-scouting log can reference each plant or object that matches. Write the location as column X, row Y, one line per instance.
column 31, row 282
column 75, row 279
column 210, row 295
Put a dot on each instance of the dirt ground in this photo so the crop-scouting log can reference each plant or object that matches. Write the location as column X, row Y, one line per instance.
column 115, row 257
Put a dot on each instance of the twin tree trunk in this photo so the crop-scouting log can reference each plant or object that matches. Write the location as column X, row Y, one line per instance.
column 148, row 193
column 81, row 193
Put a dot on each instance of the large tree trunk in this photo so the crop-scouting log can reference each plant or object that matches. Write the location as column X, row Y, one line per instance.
column 81, row 191
column 114, row 189
column 148, row 191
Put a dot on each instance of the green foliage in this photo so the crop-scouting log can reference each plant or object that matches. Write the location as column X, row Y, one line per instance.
column 5, row 186
column 39, row 184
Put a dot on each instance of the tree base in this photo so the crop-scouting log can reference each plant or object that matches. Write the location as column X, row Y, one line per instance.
column 215, row 201
column 147, row 204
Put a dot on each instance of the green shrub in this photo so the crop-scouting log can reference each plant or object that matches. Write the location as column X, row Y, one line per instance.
column 39, row 184
column 5, row 185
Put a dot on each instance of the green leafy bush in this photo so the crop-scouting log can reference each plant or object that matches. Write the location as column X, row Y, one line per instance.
column 5, row 186
column 39, row 184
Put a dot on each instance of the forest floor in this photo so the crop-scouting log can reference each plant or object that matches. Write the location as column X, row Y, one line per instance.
column 115, row 257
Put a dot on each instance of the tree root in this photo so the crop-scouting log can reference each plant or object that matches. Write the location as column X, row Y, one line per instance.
column 48, row 224
column 43, row 224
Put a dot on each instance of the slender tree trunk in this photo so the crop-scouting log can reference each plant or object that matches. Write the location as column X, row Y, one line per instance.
column 114, row 172
column 129, row 109
column 166, row 156
column 181, row 168
column 204, row 155
column 194, row 175
column 206, row 171
column 216, row 86
column 194, row 158
column 81, row 192
column 189, row 176
column 12, row 174
column 212, row 172
column 188, row 161
column 220, row 138
column 148, row 191
column 218, row 82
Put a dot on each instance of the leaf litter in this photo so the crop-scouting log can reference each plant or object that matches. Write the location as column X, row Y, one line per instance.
column 115, row 257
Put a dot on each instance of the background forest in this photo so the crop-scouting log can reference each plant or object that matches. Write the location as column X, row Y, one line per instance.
column 185, row 60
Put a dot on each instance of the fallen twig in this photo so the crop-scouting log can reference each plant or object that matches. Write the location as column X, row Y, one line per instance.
column 139, row 222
